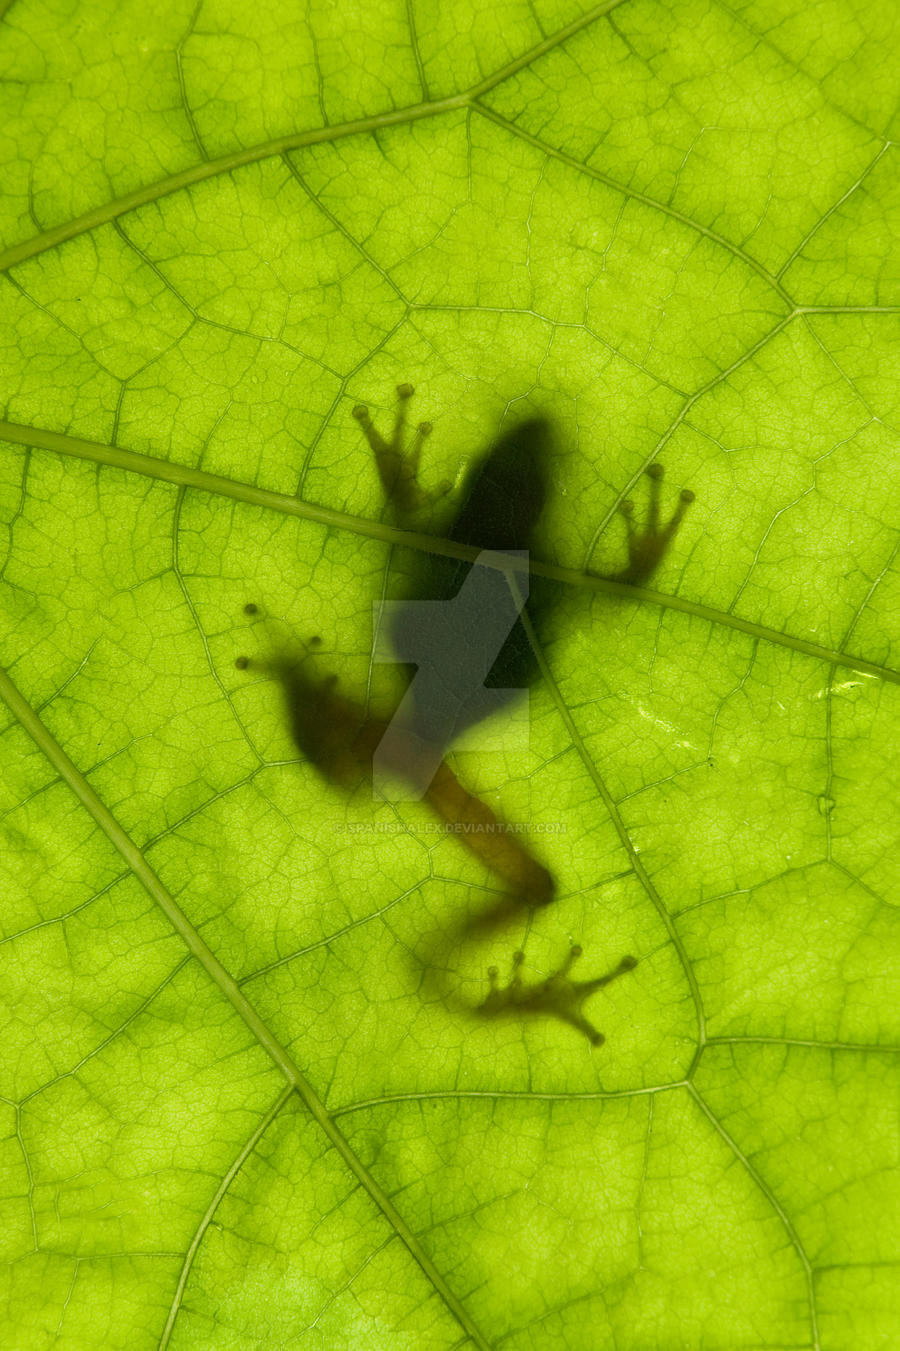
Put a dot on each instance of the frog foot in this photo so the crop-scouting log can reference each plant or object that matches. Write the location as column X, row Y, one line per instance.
column 556, row 997
column 648, row 544
column 284, row 646
column 398, row 467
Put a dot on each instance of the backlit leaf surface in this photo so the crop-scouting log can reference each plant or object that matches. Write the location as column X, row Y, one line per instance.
column 241, row 1110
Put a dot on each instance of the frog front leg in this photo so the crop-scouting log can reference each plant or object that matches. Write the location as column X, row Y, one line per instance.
column 397, row 465
column 648, row 544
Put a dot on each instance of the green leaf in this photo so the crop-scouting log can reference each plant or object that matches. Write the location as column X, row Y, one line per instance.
column 247, row 1103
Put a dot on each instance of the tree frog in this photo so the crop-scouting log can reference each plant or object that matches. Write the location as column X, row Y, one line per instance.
column 471, row 654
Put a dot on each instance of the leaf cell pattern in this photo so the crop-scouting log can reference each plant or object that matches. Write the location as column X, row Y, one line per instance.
column 239, row 1113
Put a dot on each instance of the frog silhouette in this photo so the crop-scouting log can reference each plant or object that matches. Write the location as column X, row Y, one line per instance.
column 459, row 631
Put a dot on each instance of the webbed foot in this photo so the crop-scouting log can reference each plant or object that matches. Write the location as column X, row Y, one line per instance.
column 648, row 544
column 556, row 997
column 398, row 467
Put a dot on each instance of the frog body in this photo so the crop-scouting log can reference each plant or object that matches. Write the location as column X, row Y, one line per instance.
column 462, row 619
